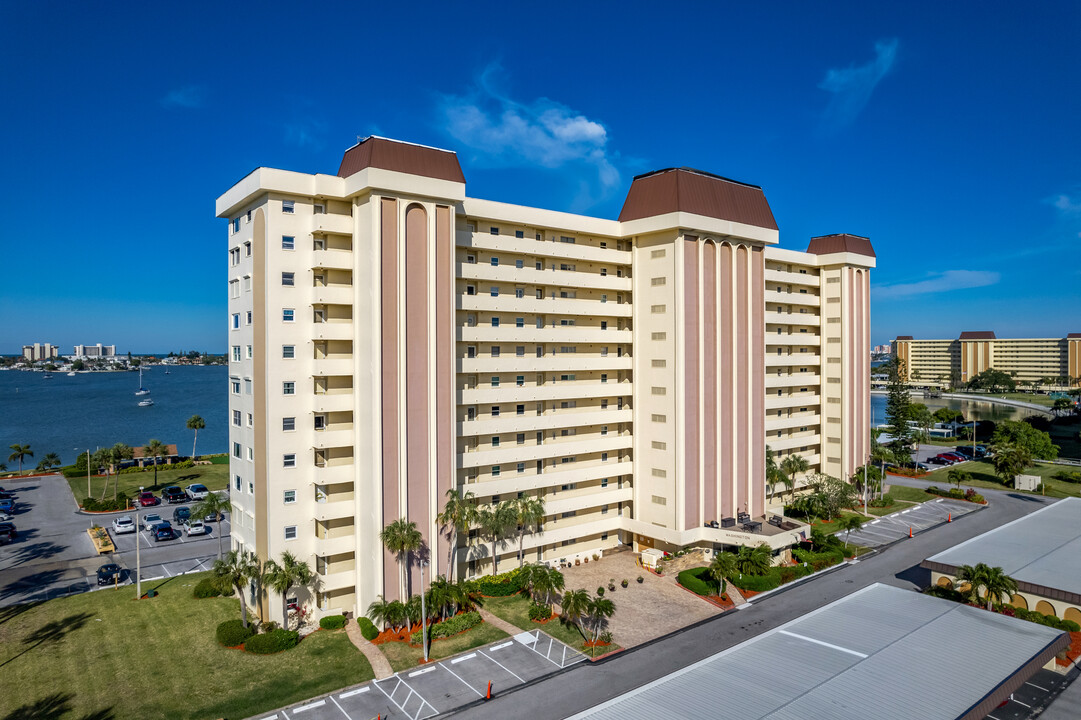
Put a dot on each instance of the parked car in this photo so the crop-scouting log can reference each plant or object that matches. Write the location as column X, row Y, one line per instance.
column 163, row 531
column 939, row 460
column 148, row 499
column 149, row 521
column 7, row 528
column 6, row 495
column 6, row 536
column 181, row 515
column 109, row 574
column 195, row 527
column 173, row 494
column 956, row 457
column 7, row 506
column 197, row 491
column 213, row 517
column 123, row 525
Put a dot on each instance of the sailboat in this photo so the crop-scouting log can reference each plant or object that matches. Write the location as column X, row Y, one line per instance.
column 142, row 390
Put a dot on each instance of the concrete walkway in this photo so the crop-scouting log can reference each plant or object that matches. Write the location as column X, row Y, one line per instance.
column 500, row 623
column 380, row 665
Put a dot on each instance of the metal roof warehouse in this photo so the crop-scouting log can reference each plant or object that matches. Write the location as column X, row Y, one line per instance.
column 881, row 652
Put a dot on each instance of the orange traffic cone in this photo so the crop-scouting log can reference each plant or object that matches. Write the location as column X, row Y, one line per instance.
column 910, row 531
column 489, row 697
column 949, row 517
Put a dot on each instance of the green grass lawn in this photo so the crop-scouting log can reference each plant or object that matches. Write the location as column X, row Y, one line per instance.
column 983, row 476
column 403, row 656
column 897, row 506
column 104, row 652
column 215, row 477
column 910, row 494
column 515, row 610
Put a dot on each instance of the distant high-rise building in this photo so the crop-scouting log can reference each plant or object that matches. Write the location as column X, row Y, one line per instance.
column 40, row 351
column 1038, row 362
column 392, row 339
column 95, row 351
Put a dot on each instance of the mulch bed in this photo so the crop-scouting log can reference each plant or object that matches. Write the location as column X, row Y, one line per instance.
column 1073, row 652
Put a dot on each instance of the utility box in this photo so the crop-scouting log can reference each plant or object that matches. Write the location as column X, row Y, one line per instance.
column 1026, row 482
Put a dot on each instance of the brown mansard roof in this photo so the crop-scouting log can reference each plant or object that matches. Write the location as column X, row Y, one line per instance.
column 978, row 335
column 701, row 193
column 905, row 337
column 401, row 157
column 1074, row 335
column 841, row 242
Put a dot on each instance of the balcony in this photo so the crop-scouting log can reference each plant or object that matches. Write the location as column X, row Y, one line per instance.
column 334, row 366
column 779, row 444
column 338, row 510
column 332, row 403
column 332, row 259
column 795, row 318
column 333, row 330
column 332, row 223
column 531, row 422
column 529, row 276
column 570, row 390
column 346, row 579
column 483, row 301
column 336, row 545
column 792, row 298
column 795, row 278
column 323, row 439
column 333, row 294
column 775, row 402
column 587, row 500
column 794, row 380
column 333, row 474
column 549, row 363
column 560, row 334
column 797, row 359
column 808, row 419
column 544, row 248
column 529, row 453
column 515, row 483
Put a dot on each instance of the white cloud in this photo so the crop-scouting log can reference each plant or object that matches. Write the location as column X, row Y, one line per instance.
column 944, row 282
column 190, row 96
column 1066, row 204
column 503, row 132
column 852, row 86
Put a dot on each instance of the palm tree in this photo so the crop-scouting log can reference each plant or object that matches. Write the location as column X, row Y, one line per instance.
column 774, row 475
column 216, row 504
column 957, row 476
column 284, row 576
column 155, row 449
column 529, row 513
column 550, row 582
column 378, row 611
column 850, row 523
column 1010, row 460
column 495, row 522
column 195, row 423
column 754, row 561
column 440, row 597
column 600, row 609
column 402, row 537
column 238, row 568
column 413, row 610
column 19, row 452
column 723, row 565
column 102, row 458
column 118, row 453
column 792, row 466
column 999, row 585
column 574, row 606
column 49, row 461
column 994, row 582
column 458, row 514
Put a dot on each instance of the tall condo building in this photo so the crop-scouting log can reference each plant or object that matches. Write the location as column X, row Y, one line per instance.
column 393, row 339
column 1039, row 362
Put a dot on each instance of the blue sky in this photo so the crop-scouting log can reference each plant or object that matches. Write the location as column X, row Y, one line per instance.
column 947, row 132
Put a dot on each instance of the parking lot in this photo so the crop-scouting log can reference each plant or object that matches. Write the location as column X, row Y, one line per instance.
column 440, row 687
column 1032, row 697
column 887, row 529
column 53, row 556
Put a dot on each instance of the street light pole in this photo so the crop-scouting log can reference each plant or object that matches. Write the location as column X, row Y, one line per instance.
column 88, row 473
column 138, row 565
column 423, row 613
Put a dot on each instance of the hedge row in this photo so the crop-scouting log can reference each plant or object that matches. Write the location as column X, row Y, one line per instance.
column 232, row 633
column 698, row 581
column 539, row 612
column 773, row 578
column 501, row 585
column 93, row 505
column 367, row 628
column 1038, row 617
column 957, row 494
column 451, row 626
column 332, row 622
column 208, row 588
column 272, row 642
column 818, row 560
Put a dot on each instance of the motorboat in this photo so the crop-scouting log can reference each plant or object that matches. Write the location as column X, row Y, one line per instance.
column 146, row 403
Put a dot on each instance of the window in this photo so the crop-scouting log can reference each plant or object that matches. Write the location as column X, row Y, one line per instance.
column 658, row 336
column 289, row 388
column 658, row 500
column 234, row 385
column 519, row 322
column 495, row 441
column 236, row 418
column 658, row 363
column 565, row 239
column 519, row 234
column 247, row 386
column 288, row 352
column 519, row 293
column 519, row 350
column 289, row 497
column 495, row 322
column 657, row 309
column 604, row 457
column 566, row 266
column 495, row 411
column 658, row 445
column 493, row 231
column 289, row 460
column 604, row 509
column 471, row 351
column 655, row 254
column 247, row 249
column 538, row 265
column 246, row 284
column 604, row 377
column 287, row 207
column 519, row 264
column 495, row 473
column 289, row 423
column 494, row 261
column 604, row 272
column 236, row 225
column 319, row 422
column 495, row 292
column 604, row 324
column 234, row 256
column 658, row 281
column 235, row 321
column 236, row 353
column 658, row 418
column 470, row 259
column 519, row 380
column 470, row 290
column 288, row 279
column 251, row 420
column 248, row 320
column 234, row 289
column 658, row 390
column 521, row 467
column 520, row 409
column 238, row 483
column 248, row 352
column 288, row 242
column 287, row 314
column 237, row 453
column 495, row 351
column 290, row 532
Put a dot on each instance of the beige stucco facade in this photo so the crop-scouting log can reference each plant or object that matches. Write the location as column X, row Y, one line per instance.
column 1049, row 362
column 392, row 339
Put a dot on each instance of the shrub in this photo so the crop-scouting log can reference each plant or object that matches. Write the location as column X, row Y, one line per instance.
column 93, row 505
column 977, row 498
column 624, row 582
column 207, row 588
column 500, row 585
column 269, row 626
column 698, row 581
column 757, row 583
column 451, row 626
column 1068, row 476
column 818, row 560
column 641, row 579
column 272, row 642
column 232, row 633
column 333, row 622
column 367, row 628
column 539, row 612
column 881, row 502
column 946, row 593
column 600, row 591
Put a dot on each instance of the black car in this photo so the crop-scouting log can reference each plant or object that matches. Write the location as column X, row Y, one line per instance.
column 173, row 494
column 163, row 531
column 109, row 574
column 7, row 532
column 181, row 515
column 6, row 495
column 938, row 460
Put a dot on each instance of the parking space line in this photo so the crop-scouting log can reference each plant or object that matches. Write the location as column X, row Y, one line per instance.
column 501, row 664
column 460, row 678
column 1037, row 686
column 310, row 706
column 339, row 706
column 1013, row 699
column 422, row 672
column 501, row 645
column 470, row 656
column 351, row 693
column 166, row 571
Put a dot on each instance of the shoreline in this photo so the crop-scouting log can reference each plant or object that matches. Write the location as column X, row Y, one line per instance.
column 983, row 398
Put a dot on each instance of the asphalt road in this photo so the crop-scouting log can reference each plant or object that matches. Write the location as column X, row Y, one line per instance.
column 584, row 686
column 53, row 555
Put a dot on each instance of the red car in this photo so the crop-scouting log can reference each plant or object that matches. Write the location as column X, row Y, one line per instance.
column 148, row 499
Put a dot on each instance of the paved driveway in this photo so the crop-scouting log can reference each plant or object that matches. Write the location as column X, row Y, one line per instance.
column 889, row 528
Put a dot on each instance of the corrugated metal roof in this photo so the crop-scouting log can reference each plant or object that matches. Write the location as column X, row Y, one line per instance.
column 402, row 157
column 842, row 242
column 1043, row 548
column 701, row 193
column 838, row 662
column 978, row 335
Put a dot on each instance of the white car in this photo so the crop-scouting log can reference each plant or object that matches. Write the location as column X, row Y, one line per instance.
column 149, row 521
column 195, row 527
column 6, row 516
column 123, row 525
column 197, row 491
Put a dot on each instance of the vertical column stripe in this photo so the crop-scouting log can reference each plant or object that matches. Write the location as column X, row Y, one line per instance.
column 710, row 474
column 388, row 253
column 417, row 445
column 444, row 379
column 690, row 381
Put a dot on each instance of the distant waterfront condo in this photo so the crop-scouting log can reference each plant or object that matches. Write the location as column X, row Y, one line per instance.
column 1046, row 363
column 95, row 351
column 392, row 339
column 40, row 351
